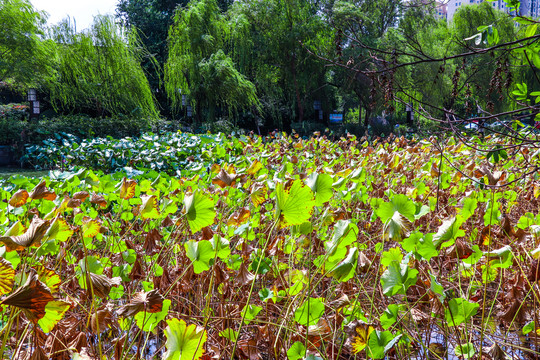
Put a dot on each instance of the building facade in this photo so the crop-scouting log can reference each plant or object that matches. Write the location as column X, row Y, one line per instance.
column 527, row 8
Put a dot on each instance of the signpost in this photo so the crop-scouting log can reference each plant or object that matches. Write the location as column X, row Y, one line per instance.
column 336, row 118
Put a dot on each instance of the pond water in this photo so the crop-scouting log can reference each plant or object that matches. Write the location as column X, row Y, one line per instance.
column 6, row 172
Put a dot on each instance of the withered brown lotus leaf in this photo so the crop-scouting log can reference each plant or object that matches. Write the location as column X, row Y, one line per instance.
column 81, row 195
column 98, row 200
column 340, row 302
column 78, row 342
column 249, row 349
column 101, row 285
column 19, row 198
column 32, row 297
column 167, row 221
column 102, row 320
column 244, row 276
column 239, row 217
column 151, row 302
column 38, row 354
column 207, row 233
column 495, row 352
column 41, row 192
column 515, row 313
column 224, row 179
column 56, row 346
column 74, row 203
column 48, row 277
column 32, row 236
column 151, row 241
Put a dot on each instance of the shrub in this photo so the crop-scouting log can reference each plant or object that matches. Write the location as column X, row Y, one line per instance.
column 13, row 112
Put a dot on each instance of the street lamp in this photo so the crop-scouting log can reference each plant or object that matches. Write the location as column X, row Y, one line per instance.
column 32, row 95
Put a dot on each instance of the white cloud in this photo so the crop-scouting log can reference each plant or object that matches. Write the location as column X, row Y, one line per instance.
column 82, row 10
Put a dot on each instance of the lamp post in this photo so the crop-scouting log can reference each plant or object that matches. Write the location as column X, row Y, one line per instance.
column 318, row 107
column 34, row 104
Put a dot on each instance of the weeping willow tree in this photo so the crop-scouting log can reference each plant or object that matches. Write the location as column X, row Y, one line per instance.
column 100, row 71
column 25, row 59
column 198, row 64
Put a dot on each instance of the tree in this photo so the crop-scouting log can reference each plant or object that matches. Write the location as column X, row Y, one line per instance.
column 152, row 20
column 361, row 26
column 99, row 71
column 198, row 66
column 25, row 58
column 277, row 35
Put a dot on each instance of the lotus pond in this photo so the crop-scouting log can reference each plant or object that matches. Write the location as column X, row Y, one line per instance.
column 289, row 249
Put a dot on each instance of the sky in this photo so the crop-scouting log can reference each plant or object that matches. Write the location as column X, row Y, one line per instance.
column 82, row 10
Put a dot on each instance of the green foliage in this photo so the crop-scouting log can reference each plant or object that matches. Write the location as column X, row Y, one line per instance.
column 184, row 341
column 270, row 44
column 171, row 152
column 197, row 65
column 309, row 312
column 100, row 70
column 25, row 59
column 398, row 277
column 459, row 311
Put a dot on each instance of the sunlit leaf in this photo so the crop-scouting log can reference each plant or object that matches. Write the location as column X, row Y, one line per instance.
column 50, row 278
column 297, row 351
column 380, row 342
column 54, row 312
column 448, row 232
column 460, row 310
column 295, row 202
column 41, row 192
column 127, row 188
column 58, row 230
column 466, row 351
column 254, row 168
column 199, row 210
column 201, row 253
column 346, row 269
column 258, row 195
column 184, row 342
column 7, row 276
column 149, row 207
column 90, row 228
column 19, row 198
column 361, row 336
column 147, row 321
column 398, row 277
column 321, row 185
column 309, row 312
column 32, row 237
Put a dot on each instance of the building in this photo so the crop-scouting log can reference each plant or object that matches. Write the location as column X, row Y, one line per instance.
column 441, row 9
column 527, row 8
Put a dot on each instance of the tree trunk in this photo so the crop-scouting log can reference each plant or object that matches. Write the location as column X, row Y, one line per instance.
column 297, row 90
column 366, row 118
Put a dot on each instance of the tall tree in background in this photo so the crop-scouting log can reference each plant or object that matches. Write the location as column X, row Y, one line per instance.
column 152, row 19
column 198, row 66
column 99, row 71
column 287, row 76
column 25, row 59
column 362, row 26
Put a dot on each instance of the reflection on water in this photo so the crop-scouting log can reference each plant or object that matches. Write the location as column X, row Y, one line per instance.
column 511, row 343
